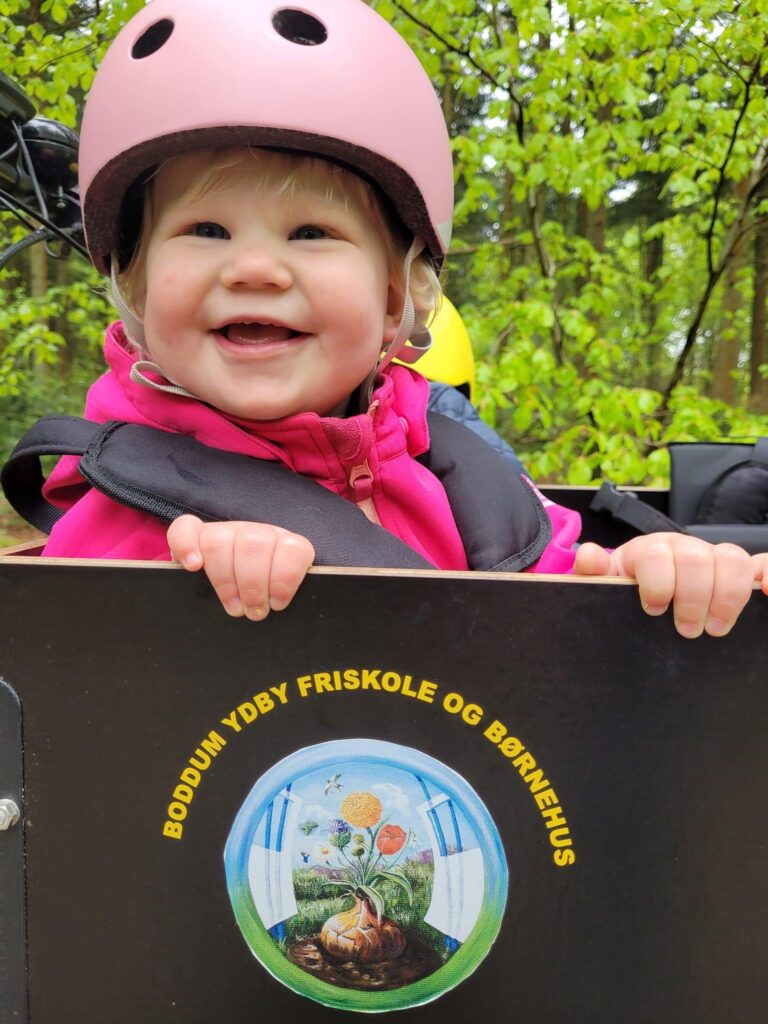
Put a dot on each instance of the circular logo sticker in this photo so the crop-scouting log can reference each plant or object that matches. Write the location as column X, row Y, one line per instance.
column 365, row 875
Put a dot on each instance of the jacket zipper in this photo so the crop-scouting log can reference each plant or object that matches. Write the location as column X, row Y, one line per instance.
column 361, row 482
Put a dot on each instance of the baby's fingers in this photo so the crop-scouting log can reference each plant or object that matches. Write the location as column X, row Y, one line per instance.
column 760, row 570
column 254, row 548
column 694, row 585
column 269, row 566
column 217, row 547
column 673, row 568
column 592, row 560
column 652, row 563
column 733, row 579
column 184, row 541
column 291, row 559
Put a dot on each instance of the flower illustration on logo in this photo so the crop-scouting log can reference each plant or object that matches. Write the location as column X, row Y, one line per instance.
column 400, row 899
column 322, row 852
column 361, row 933
column 362, row 810
column 391, row 838
column 339, row 833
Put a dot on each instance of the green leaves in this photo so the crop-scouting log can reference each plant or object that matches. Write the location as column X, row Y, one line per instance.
column 600, row 178
column 601, row 151
column 374, row 898
column 397, row 879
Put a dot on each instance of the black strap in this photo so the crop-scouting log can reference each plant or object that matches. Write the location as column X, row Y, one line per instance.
column 502, row 523
column 628, row 508
column 167, row 475
column 22, row 477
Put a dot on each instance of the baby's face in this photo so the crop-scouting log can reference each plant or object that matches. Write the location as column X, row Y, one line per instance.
column 264, row 305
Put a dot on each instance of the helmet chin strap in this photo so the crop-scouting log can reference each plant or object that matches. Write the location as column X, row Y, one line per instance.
column 138, row 376
column 396, row 347
column 133, row 327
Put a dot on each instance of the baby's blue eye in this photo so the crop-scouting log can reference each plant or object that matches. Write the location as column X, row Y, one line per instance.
column 309, row 232
column 207, row 229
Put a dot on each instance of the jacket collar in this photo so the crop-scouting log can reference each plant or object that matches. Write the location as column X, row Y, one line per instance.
column 307, row 443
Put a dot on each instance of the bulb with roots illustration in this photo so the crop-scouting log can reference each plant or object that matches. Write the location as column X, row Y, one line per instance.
column 358, row 934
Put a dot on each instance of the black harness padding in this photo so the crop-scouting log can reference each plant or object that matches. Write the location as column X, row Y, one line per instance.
column 739, row 493
column 22, row 476
column 167, row 475
column 503, row 524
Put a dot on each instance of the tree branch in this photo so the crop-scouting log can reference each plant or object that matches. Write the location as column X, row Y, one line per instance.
column 33, row 72
column 454, row 47
column 738, row 229
column 719, row 57
column 546, row 262
column 710, row 233
column 510, row 243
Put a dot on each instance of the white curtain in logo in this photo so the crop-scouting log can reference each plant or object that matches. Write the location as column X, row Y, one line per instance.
column 458, row 884
column 270, row 869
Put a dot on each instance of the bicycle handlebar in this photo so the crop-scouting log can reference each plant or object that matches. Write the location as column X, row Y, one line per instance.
column 38, row 174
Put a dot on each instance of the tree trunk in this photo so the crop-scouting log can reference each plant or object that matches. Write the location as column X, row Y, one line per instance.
column 38, row 271
column 59, row 325
column 38, row 286
column 758, row 384
column 652, row 264
column 727, row 344
column 448, row 99
column 592, row 224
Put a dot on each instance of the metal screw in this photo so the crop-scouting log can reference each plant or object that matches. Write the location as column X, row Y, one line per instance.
column 9, row 814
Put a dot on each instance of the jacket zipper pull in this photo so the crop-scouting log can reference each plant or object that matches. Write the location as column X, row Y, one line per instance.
column 361, row 482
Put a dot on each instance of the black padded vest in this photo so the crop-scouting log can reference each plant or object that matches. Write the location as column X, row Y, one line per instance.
column 502, row 523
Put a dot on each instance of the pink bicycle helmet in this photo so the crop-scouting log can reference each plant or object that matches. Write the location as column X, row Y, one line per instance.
column 330, row 78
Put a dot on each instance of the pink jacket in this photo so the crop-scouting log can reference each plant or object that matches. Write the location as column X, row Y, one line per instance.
column 365, row 458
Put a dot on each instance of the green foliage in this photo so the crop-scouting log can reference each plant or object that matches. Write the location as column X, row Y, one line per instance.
column 50, row 333
column 51, row 351
column 607, row 178
column 607, row 158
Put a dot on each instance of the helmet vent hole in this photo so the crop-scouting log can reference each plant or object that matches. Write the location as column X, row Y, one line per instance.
column 152, row 38
column 299, row 27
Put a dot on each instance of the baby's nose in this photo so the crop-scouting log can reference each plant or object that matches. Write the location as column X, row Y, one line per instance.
column 255, row 266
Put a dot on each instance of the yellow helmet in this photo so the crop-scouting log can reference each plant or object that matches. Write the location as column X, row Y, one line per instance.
column 450, row 359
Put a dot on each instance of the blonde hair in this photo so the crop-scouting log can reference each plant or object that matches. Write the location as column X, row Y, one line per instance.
column 260, row 167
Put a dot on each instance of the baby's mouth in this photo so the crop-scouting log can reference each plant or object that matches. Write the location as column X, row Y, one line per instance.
column 256, row 334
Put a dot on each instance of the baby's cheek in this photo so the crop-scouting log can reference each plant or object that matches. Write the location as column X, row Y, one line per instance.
column 170, row 277
column 365, row 323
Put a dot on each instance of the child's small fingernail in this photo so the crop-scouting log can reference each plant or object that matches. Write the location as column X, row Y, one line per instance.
column 257, row 613
column 234, row 607
column 654, row 609
column 717, row 627
column 277, row 604
column 192, row 561
column 690, row 630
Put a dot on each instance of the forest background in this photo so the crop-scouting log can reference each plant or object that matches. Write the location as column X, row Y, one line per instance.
column 610, row 254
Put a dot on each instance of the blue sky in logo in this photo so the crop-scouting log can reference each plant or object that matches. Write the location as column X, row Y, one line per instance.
column 401, row 794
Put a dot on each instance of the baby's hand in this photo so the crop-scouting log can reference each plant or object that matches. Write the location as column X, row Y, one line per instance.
column 708, row 584
column 253, row 567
